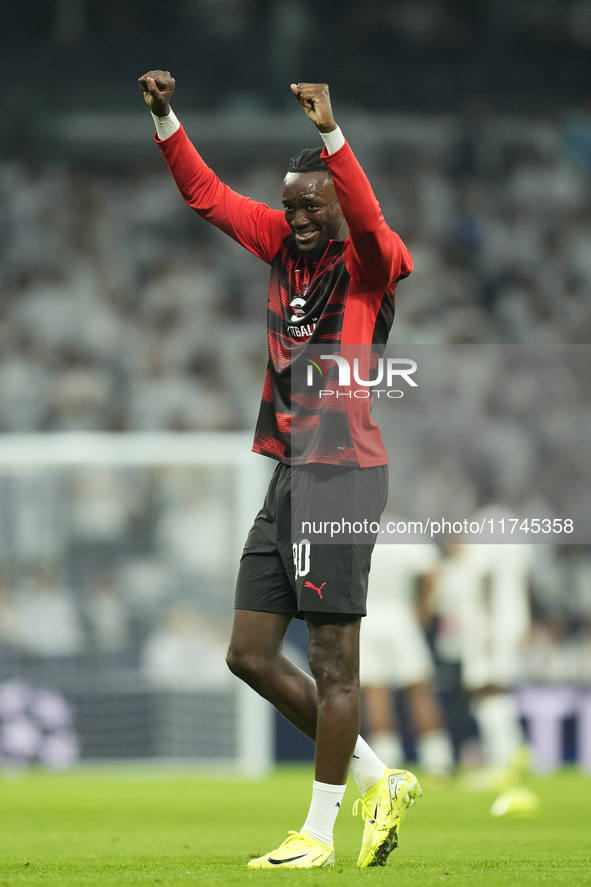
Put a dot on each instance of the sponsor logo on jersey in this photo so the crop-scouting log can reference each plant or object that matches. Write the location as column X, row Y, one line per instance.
column 301, row 332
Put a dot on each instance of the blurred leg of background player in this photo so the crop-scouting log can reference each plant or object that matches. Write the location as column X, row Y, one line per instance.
column 434, row 748
column 395, row 655
column 495, row 622
column 491, row 584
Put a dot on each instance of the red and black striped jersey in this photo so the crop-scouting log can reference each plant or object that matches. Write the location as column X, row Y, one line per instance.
column 344, row 299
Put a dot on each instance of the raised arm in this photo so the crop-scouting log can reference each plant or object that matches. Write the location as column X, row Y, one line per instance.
column 258, row 228
column 378, row 255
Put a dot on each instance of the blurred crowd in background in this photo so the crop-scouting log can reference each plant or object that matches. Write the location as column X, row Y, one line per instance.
column 110, row 563
column 376, row 53
column 121, row 311
column 134, row 568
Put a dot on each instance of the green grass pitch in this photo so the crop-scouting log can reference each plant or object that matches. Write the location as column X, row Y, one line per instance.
column 123, row 827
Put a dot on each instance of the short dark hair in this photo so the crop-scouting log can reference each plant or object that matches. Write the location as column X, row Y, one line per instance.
column 309, row 160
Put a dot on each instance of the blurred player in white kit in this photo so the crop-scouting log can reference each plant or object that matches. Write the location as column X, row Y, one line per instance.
column 485, row 588
column 394, row 655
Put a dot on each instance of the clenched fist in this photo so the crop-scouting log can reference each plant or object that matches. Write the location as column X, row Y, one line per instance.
column 157, row 86
column 315, row 100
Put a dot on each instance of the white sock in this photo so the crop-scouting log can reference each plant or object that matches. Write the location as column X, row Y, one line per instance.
column 435, row 752
column 500, row 730
column 326, row 803
column 365, row 767
column 388, row 747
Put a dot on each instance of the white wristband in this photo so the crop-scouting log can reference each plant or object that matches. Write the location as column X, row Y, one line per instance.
column 333, row 140
column 166, row 126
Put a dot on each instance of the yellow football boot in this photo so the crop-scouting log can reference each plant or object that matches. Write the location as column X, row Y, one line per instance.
column 298, row 851
column 383, row 808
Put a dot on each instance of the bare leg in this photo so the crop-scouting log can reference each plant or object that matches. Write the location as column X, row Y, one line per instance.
column 255, row 655
column 325, row 708
column 382, row 725
column 425, row 707
column 379, row 709
column 333, row 653
column 380, row 712
column 433, row 742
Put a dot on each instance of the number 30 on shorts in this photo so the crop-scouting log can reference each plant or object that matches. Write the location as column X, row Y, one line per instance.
column 301, row 558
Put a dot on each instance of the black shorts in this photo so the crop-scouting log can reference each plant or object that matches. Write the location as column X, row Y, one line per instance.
column 287, row 572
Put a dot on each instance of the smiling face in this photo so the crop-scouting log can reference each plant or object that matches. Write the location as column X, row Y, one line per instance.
column 312, row 211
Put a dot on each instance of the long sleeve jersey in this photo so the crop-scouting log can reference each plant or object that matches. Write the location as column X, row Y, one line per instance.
column 345, row 298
